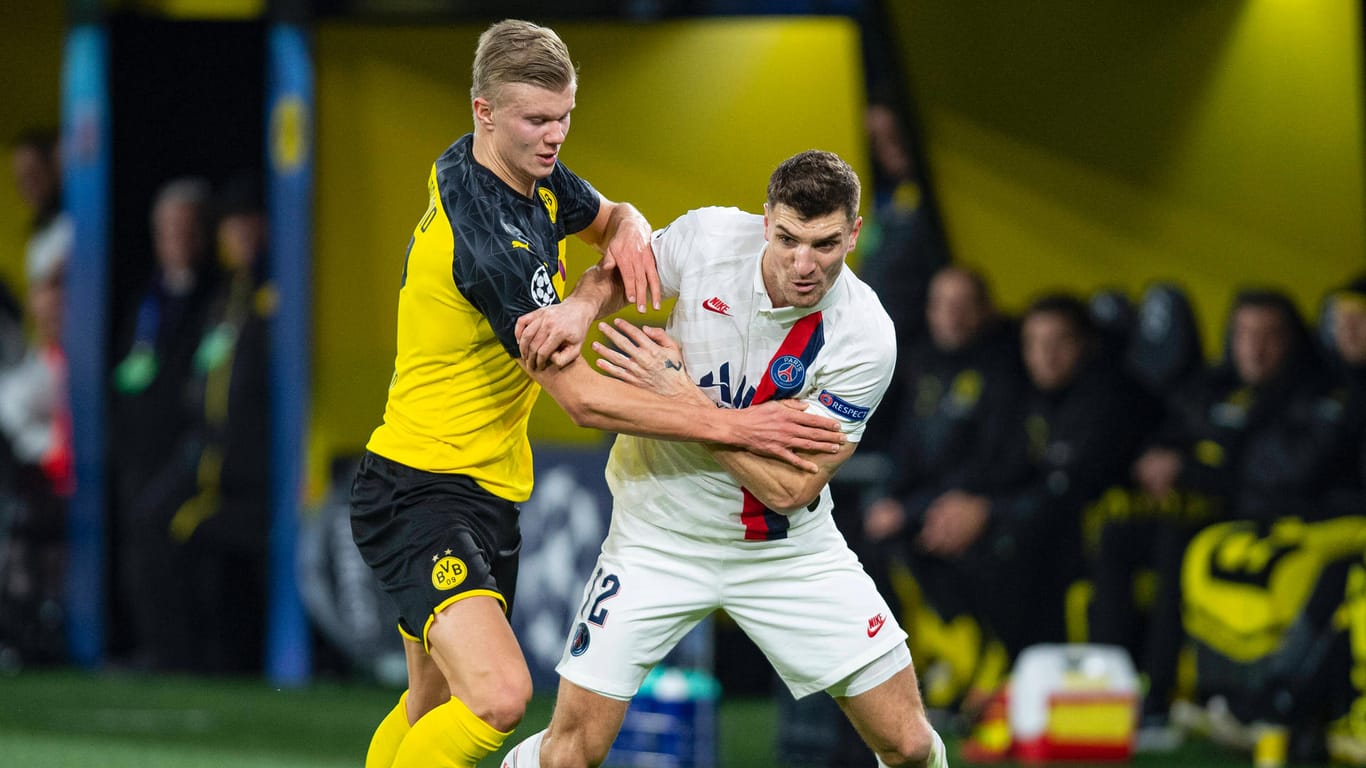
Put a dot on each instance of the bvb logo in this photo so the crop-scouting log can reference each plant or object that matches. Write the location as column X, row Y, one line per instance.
column 552, row 206
column 448, row 573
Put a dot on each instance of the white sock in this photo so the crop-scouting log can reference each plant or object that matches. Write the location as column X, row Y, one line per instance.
column 527, row 753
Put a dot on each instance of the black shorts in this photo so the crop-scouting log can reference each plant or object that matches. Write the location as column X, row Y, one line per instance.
column 432, row 539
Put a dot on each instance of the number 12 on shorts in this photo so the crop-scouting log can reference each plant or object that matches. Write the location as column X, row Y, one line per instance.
column 600, row 590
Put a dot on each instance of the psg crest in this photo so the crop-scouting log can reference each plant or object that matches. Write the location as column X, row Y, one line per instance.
column 580, row 642
column 788, row 372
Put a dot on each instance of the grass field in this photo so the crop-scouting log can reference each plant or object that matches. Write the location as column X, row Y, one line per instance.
column 58, row 719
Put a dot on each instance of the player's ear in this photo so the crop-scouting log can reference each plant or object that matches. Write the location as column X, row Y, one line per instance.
column 853, row 235
column 483, row 113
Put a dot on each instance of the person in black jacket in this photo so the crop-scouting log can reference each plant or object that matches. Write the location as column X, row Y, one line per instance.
column 218, row 478
column 1010, row 552
column 1315, row 682
column 147, row 422
column 955, row 390
column 957, row 385
column 1243, row 441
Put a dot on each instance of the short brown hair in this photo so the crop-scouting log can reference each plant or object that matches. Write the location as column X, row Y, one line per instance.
column 514, row 51
column 815, row 183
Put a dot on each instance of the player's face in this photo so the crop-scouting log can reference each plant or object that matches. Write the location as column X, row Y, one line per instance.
column 528, row 125
column 804, row 256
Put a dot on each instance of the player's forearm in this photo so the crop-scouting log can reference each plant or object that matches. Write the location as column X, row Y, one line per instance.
column 600, row 402
column 625, row 215
column 780, row 486
column 599, row 290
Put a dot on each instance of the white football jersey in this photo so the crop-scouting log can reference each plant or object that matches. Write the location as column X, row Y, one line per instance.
column 837, row 357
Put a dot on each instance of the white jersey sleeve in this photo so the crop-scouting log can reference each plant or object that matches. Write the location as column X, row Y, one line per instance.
column 683, row 248
column 851, row 386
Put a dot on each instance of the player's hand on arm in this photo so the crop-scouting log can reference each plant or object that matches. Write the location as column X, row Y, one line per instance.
column 554, row 335
column 683, row 412
column 648, row 358
column 782, row 430
column 778, row 483
column 623, row 235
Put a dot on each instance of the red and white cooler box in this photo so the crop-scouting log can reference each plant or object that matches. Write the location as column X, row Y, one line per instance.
column 1073, row 702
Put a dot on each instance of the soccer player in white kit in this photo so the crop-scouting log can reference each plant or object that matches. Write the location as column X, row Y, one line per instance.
column 765, row 311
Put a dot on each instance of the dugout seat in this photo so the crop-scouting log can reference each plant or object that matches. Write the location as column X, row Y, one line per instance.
column 1165, row 347
column 1113, row 315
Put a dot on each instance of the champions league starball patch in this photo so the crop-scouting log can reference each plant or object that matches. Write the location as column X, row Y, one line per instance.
column 580, row 642
column 788, row 372
column 542, row 289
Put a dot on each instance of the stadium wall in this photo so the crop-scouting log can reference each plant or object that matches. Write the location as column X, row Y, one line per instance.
column 1088, row 145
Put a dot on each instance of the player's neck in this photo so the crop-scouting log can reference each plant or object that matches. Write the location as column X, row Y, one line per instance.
column 485, row 156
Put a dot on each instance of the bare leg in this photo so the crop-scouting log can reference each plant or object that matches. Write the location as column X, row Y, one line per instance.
column 427, row 687
column 582, row 729
column 891, row 719
column 480, row 662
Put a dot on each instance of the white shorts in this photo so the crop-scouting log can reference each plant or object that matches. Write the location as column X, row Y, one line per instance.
column 805, row 601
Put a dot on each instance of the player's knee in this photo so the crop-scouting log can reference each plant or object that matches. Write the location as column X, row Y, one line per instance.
column 910, row 747
column 504, row 703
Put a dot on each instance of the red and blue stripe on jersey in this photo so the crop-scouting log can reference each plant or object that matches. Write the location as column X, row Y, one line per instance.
column 804, row 342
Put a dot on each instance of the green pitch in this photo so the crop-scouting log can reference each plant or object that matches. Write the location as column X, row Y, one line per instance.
column 56, row 719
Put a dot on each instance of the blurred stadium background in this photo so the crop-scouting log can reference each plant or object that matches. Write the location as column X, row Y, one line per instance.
column 1064, row 144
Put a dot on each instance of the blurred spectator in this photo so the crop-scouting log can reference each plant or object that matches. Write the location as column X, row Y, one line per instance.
column 1348, row 496
column 1221, row 451
column 957, row 385
column 220, row 472
column 35, row 420
column 147, row 422
column 38, row 175
column 1308, row 684
column 1016, row 547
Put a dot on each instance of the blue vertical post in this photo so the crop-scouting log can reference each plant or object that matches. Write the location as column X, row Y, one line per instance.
column 289, row 197
column 85, row 146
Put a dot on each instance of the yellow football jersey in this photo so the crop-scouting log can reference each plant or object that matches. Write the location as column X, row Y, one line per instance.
column 481, row 256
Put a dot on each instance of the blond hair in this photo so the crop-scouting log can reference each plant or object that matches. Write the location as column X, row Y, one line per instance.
column 514, row 51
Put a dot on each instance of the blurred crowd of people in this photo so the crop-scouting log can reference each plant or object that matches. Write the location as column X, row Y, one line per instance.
column 1081, row 473
column 188, row 409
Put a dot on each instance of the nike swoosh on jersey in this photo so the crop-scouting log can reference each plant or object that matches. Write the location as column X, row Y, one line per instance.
column 875, row 624
column 715, row 304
